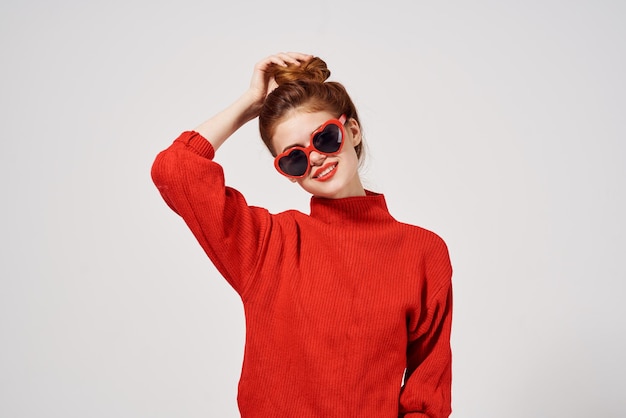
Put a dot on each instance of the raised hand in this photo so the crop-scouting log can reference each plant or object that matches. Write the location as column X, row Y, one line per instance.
column 221, row 126
column 263, row 82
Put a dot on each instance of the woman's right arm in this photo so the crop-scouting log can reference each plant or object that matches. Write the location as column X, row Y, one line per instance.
column 230, row 232
column 221, row 126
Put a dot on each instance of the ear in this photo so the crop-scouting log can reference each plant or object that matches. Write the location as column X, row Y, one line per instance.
column 353, row 129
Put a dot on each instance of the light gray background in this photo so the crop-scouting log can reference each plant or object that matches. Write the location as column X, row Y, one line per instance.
column 497, row 124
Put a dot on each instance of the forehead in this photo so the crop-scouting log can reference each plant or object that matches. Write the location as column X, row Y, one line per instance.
column 297, row 127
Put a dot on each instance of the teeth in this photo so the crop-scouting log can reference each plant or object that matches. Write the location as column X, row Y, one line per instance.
column 328, row 170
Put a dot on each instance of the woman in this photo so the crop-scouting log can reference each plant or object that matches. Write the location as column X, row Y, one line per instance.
column 348, row 311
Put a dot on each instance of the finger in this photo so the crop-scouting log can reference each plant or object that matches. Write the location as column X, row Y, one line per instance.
column 267, row 62
column 271, row 86
column 295, row 57
column 283, row 59
column 300, row 56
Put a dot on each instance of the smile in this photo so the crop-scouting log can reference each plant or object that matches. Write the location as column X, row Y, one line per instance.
column 326, row 172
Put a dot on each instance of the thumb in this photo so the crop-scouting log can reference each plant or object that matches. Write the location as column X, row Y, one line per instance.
column 271, row 85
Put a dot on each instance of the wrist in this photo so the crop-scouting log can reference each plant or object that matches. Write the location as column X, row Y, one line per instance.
column 250, row 105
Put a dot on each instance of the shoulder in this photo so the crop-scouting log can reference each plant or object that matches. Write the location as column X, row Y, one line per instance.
column 289, row 218
column 432, row 247
column 429, row 238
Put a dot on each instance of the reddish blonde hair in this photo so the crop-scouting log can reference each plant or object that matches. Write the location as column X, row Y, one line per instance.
column 304, row 87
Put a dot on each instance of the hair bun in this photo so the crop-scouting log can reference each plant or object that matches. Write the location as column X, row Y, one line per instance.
column 313, row 70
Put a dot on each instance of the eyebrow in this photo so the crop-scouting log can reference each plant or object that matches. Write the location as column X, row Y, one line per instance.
column 297, row 144
column 292, row 146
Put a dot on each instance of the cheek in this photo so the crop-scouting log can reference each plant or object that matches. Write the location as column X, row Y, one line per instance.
column 352, row 146
column 350, row 154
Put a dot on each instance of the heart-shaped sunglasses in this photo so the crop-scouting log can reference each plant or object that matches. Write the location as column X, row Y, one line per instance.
column 327, row 139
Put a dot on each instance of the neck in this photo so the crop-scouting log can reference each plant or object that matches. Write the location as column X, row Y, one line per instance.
column 370, row 207
column 354, row 189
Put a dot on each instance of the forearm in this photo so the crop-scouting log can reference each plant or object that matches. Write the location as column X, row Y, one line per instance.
column 220, row 127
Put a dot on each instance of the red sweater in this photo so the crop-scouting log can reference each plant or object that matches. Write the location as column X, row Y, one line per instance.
column 339, row 304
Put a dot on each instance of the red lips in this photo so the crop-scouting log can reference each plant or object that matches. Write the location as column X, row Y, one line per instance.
column 327, row 176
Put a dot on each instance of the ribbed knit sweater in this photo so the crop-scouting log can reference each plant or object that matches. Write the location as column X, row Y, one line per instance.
column 348, row 311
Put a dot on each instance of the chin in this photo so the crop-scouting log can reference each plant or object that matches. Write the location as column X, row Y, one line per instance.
column 323, row 190
column 330, row 192
column 337, row 188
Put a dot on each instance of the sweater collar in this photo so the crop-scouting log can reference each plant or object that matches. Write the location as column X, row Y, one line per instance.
column 357, row 209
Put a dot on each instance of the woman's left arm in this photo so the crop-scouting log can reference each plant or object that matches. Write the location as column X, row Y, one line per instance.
column 427, row 388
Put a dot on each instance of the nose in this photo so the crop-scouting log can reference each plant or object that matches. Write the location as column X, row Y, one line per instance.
column 316, row 158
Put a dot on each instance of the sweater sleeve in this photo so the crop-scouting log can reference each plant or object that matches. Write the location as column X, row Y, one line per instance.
column 427, row 388
column 230, row 232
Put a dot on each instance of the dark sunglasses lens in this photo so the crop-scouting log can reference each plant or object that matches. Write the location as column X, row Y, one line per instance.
column 329, row 140
column 294, row 164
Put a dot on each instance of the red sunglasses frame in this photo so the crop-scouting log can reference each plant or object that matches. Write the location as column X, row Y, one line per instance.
column 310, row 148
